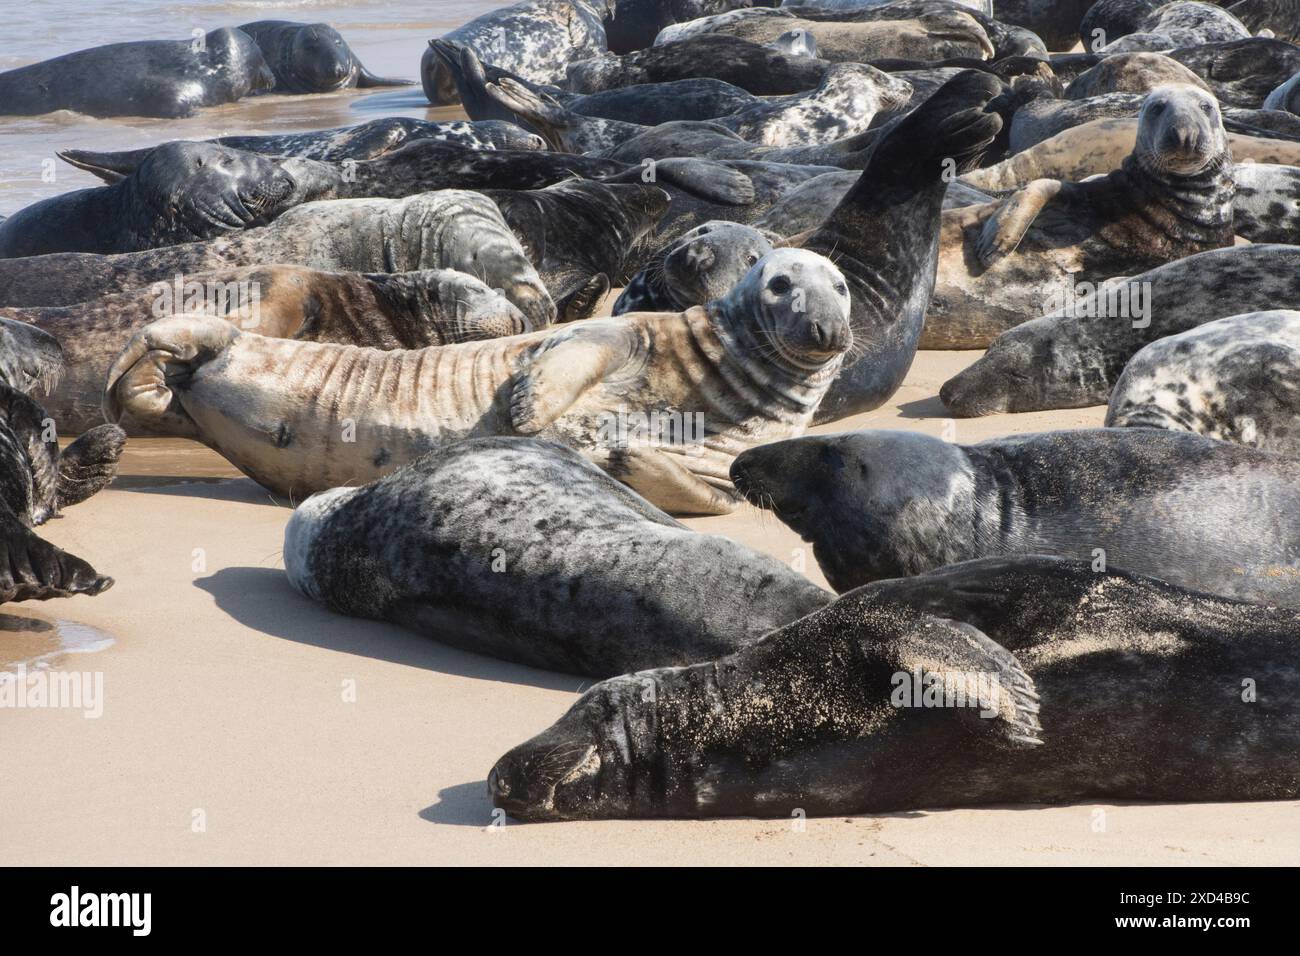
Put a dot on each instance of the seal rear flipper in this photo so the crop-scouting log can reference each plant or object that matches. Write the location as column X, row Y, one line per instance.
column 35, row 570
column 89, row 464
column 110, row 167
column 583, row 303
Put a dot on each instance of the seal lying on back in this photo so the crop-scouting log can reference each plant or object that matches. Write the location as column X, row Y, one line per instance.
column 311, row 58
column 1237, row 379
column 524, row 550
column 161, row 78
column 409, row 310
column 450, row 229
column 1072, row 358
column 534, row 38
column 1003, row 264
column 748, row 368
column 703, row 265
column 1200, row 513
column 1003, row 682
column 182, row 192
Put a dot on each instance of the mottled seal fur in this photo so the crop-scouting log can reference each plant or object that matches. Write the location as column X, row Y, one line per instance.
column 182, row 192
column 1178, row 25
column 450, row 229
column 534, row 38
column 408, row 310
column 311, row 58
column 159, row 78
column 1190, row 510
column 703, row 265
column 523, row 550
column 1130, row 73
column 1006, row 263
column 1236, row 379
column 1072, row 358
column 633, row 24
column 748, row 368
column 989, row 682
column 1242, row 72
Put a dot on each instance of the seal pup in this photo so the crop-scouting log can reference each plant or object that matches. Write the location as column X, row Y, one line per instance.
column 990, row 682
column 523, row 550
column 703, row 265
column 745, row 369
column 534, row 38
column 408, row 310
column 166, row 79
column 182, row 192
column 1235, row 379
column 1008, row 262
column 1199, row 513
column 311, row 58
column 1072, row 358
column 448, row 229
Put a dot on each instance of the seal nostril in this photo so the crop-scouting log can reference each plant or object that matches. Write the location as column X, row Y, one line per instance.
column 497, row 785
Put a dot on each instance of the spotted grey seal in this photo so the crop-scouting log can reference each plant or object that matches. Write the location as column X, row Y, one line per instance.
column 994, row 681
column 1005, row 263
column 1242, row 72
column 703, row 265
column 406, row 310
column 448, row 229
column 633, row 24
column 1072, row 358
column 311, row 58
column 535, row 38
column 1130, row 73
column 1199, row 513
column 752, row 366
column 182, row 192
column 1236, row 379
column 160, row 78
column 524, row 550
column 1178, row 25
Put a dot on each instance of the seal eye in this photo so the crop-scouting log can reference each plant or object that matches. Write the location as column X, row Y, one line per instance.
column 1207, row 109
column 842, row 289
column 751, row 259
column 779, row 284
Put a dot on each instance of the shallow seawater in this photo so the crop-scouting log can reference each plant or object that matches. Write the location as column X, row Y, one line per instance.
column 30, row 643
column 388, row 36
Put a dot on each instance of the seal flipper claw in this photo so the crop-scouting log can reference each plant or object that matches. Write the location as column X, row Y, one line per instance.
column 563, row 367
column 89, row 464
column 35, row 570
column 1008, row 702
column 664, row 480
column 583, row 303
column 707, row 179
column 1004, row 230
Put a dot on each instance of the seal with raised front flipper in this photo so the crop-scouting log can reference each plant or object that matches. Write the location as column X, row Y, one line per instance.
column 523, row 550
column 1197, row 512
column 661, row 401
column 989, row 682
column 311, row 58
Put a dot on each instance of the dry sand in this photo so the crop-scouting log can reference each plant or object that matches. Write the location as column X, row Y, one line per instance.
column 226, row 738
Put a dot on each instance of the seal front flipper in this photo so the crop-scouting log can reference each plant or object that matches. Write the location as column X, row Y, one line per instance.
column 35, row 570
column 563, row 367
column 1004, row 230
column 665, row 481
column 1007, row 699
column 89, row 464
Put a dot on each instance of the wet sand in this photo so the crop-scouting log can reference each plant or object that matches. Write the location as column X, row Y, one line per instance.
column 224, row 704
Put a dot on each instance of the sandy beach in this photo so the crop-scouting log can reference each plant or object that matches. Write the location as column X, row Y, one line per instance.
column 226, row 737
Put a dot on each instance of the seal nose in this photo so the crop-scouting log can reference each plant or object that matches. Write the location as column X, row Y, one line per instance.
column 533, row 303
column 830, row 335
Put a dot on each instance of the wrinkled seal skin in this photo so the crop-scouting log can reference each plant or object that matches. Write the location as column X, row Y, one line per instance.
column 30, row 358
column 1005, row 263
column 535, row 38
column 809, row 719
column 159, row 78
column 450, row 229
column 311, row 58
column 1199, row 513
column 365, row 141
column 754, row 365
column 633, row 24
column 183, row 192
column 523, row 550
column 751, row 66
column 1072, row 360
column 1236, row 379
column 884, row 236
column 582, row 235
column 409, row 310
column 704, row 264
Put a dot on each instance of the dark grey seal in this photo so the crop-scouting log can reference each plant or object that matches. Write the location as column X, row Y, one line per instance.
column 1179, row 25
column 704, row 264
column 634, row 24
column 1242, row 72
column 311, row 58
column 1025, row 681
column 1197, row 512
column 160, row 78
column 523, row 550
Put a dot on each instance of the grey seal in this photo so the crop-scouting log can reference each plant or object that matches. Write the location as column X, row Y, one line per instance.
column 311, row 58
column 1190, row 510
column 524, row 550
column 1178, row 25
column 702, row 265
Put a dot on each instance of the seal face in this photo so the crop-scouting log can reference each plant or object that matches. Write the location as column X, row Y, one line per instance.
column 880, row 504
column 704, row 264
column 1236, row 380
column 536, row 557
column 992, row 681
